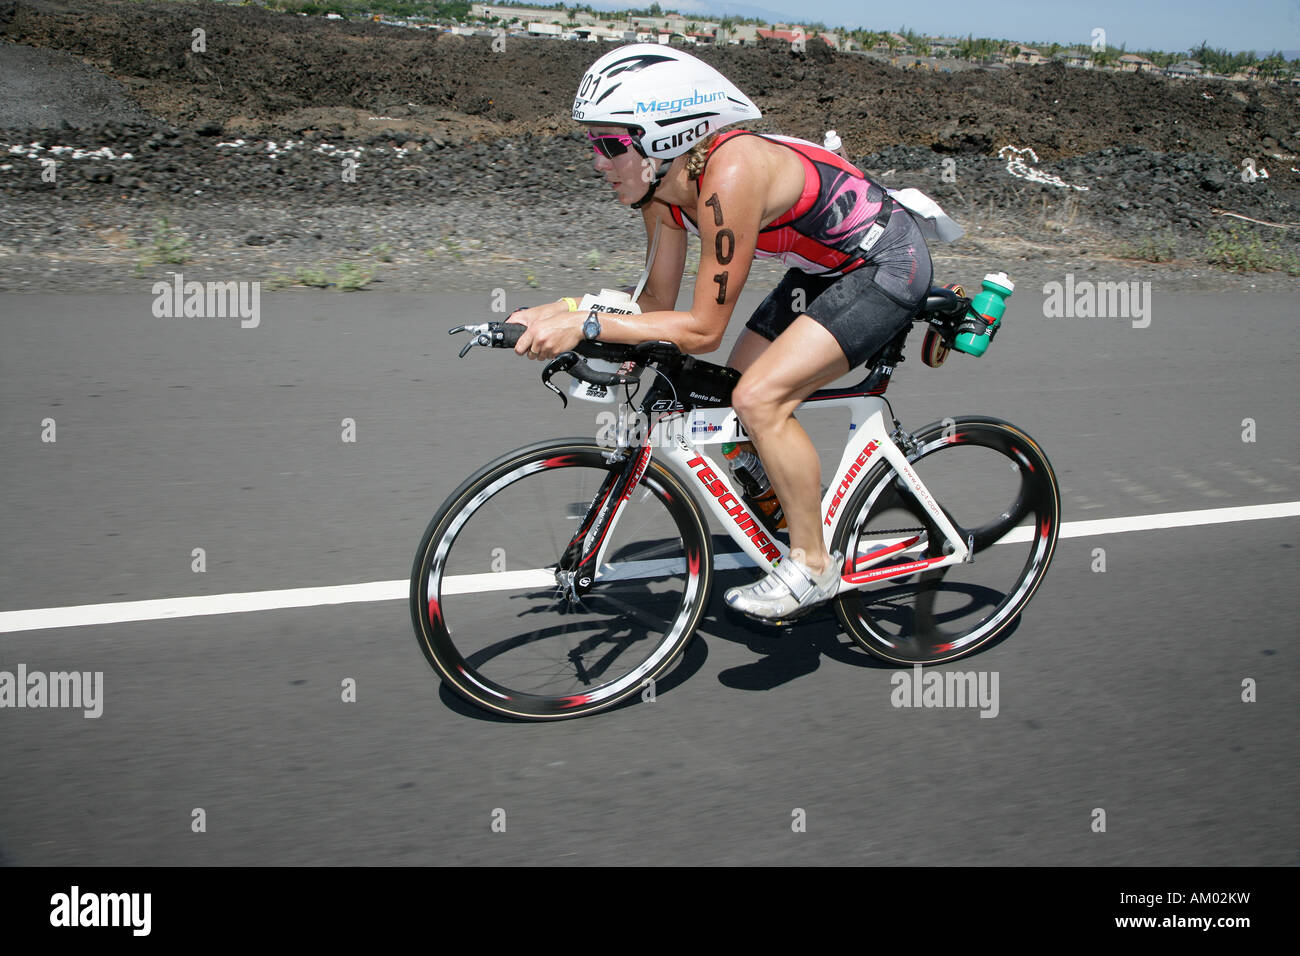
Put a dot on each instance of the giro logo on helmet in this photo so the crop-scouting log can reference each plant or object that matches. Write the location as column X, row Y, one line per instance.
column 676, row 106
column 664, row 143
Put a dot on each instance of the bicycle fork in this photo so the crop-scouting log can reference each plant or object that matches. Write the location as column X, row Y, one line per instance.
column 576, row 572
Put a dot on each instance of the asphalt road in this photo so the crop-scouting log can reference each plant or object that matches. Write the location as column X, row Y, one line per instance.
column 1120, row 691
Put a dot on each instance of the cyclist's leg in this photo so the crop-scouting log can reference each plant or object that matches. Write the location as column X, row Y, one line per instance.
column 770, row 320
column 748, row 347
column 801, row 360
column 847, row 319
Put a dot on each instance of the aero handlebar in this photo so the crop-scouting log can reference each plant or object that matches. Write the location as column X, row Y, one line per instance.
column 505, row 335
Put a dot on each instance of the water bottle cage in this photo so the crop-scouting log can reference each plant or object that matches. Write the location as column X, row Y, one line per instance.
column 972, row 333
column 949, row 327
column 974, row 324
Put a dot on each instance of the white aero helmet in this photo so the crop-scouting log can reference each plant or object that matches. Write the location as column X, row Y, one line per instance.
column 674, row 98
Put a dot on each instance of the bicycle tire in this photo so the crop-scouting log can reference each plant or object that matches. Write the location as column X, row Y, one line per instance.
column 491, row 618
column 941, row 615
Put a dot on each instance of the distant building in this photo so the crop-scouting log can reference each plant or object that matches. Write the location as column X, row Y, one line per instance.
column 789, row 36
column 1132, row 63
column 598, row 33
column 1075, row 58
column 742, row 34
column 502, row 11
column 1185, row 69
column 673, row 23
column 1029, row 55
column 900, row 46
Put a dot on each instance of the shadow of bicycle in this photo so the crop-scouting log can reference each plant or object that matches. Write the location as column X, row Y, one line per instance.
column 789, row 652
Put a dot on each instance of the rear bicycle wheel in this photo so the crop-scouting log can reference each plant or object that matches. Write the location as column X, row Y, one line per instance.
column 999, row 490
column 508, row 620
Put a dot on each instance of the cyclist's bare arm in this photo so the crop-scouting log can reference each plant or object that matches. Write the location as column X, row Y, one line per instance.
column 729, row 216
column 737, row 196
column 665, row 281
column 749, row 183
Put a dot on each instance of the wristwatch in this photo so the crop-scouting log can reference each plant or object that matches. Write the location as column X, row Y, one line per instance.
column 591, row 327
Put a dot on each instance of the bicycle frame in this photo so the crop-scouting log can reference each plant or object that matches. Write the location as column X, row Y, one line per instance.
column 869, row 441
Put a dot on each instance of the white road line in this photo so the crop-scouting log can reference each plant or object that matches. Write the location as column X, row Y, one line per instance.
column 90, row 614
column 1170, row 519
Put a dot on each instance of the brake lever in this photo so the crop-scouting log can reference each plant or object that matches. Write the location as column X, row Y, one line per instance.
column 479, row 335
column 561, row 363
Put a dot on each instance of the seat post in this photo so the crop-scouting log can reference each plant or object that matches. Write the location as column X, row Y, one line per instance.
column 883, row 362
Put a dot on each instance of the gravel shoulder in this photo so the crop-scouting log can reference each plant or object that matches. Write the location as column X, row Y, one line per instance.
column 472, row 246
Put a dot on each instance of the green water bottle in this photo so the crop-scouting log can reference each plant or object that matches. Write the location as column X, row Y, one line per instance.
column 976, row 333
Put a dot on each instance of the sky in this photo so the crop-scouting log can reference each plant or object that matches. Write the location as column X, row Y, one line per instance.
column 1171, row 25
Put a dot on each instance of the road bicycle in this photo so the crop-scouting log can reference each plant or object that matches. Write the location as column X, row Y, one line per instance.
column 567, row 576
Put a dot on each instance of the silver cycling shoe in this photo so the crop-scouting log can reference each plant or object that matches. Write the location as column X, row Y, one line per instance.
column 788, row 590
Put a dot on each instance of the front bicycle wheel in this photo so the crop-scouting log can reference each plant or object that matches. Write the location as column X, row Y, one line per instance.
column 500, row 611
column 998, row 488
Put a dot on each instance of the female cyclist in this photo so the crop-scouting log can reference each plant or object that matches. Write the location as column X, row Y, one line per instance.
column 860, row 268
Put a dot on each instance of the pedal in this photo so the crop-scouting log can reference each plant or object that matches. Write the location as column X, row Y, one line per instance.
column 785, row 621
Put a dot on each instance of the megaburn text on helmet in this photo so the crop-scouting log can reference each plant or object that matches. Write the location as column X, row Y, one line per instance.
column 676, row 106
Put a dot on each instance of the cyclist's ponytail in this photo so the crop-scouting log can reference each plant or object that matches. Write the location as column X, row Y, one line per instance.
column 696, row 158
